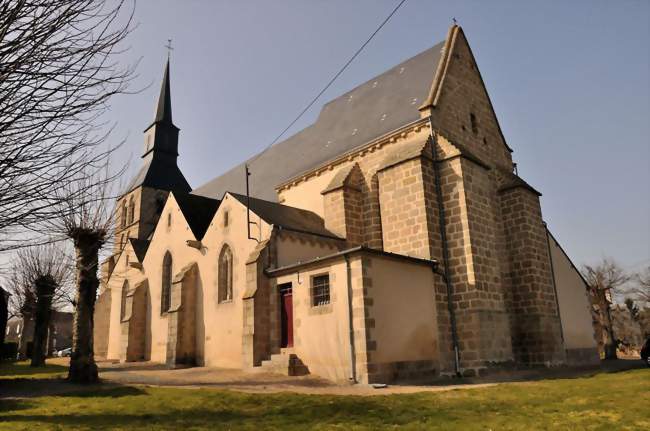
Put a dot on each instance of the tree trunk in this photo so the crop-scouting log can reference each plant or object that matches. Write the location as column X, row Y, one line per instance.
column 610, row 339
column 82, row 362
column 45, row 287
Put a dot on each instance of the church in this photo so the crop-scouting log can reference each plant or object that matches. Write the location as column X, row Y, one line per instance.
column 390, row 240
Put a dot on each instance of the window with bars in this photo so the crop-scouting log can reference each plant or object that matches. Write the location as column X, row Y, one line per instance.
column 320, row 290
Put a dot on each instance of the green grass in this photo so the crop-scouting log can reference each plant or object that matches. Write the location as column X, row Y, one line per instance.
column 602, row 402
column 17, row 370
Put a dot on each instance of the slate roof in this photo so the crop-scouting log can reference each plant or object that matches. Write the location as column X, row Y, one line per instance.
column 164, row 109
column 405, row 152
column 513, row 181
column 340, row 179
column 286, row 217
column 159, row 171
column 379, row 106
column 198, row 211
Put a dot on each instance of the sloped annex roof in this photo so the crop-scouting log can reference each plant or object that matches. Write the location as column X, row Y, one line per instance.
column 198, row 211
column 140, row 247
column 286, row 217
column 383, row 104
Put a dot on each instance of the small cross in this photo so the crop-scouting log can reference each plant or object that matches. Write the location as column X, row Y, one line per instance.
column 169, row 47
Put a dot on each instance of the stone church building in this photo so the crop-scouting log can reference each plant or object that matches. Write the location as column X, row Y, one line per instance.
column 391, row 239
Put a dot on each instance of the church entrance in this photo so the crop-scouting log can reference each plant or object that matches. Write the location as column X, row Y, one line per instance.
column 286, row 315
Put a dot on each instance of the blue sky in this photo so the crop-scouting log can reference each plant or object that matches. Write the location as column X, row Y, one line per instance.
column 569, row 82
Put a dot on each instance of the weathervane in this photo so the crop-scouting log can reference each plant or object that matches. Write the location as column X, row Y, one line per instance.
column 169, row 47
column 454, row 20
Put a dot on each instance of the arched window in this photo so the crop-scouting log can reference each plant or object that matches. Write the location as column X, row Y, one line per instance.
column 123, row 215
column 131, row 210
column 165, row 294
column 224, row 289
column 125, row 291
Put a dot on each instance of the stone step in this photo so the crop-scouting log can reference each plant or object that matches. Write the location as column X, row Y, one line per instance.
column 288, row 364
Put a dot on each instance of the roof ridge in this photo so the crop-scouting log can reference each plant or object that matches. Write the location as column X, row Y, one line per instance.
column 339, row 128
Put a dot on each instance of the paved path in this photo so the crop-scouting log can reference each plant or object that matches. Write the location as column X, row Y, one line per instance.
column 147, row 373
column 153, row 374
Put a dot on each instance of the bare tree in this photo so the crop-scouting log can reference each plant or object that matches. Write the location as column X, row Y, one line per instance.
column 86, row 217
column 58, row 70
column 39, row 282
column 605, row 279
column 641, row 288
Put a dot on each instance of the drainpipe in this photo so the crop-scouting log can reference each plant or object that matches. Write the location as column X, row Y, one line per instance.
column 353, row 362
column 445, row 251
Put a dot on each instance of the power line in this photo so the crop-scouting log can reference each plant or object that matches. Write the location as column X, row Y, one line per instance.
column 331, row 81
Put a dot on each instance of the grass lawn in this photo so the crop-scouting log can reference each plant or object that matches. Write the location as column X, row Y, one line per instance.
column 602, row 402
column 18, row 370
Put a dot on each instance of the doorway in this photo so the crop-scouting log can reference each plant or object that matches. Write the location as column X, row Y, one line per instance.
column 286, row 315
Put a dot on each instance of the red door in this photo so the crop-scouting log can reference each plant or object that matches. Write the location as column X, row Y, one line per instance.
column 287, row 317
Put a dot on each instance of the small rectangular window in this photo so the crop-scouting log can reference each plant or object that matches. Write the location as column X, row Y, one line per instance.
column 225, row 219
column 320, row 288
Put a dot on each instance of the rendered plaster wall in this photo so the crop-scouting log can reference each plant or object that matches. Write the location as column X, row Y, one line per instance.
column 321, row 333
column 218, row 326
column 575, row 315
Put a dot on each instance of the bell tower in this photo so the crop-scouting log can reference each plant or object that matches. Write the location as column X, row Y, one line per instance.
column 139, row 207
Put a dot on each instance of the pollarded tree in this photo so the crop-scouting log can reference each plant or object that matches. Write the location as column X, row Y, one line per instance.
column 85, row 217
column 39, row 283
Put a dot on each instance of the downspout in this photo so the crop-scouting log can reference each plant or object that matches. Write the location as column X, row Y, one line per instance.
column 353, row 362
column 445, row 250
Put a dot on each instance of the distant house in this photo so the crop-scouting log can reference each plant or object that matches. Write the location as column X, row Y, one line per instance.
column 22, row 332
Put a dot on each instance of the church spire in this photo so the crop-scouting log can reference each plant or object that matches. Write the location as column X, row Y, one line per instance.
column 161, row 137
column 164, row 109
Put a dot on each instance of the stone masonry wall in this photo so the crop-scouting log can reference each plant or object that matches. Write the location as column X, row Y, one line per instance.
column 148, row 204
column 405, row 222
column 485, row 289
column 464, row 113
column 101, row 324
column 536, row 331
column 362, row 321
column 343, row 209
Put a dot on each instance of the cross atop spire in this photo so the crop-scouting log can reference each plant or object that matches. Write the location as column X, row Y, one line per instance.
column 169, row 48
column 164, row 109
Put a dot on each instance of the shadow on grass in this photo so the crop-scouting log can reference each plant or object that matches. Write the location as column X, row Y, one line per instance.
column 16, row 369
column 280, row 412
column 12, row 405
column 59, row 387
